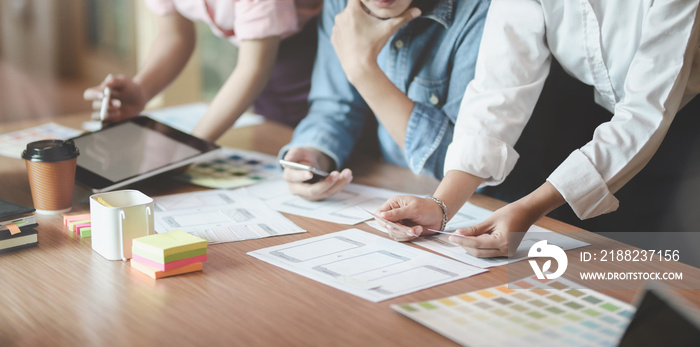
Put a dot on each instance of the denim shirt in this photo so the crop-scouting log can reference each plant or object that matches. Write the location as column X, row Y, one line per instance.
column 431, row 59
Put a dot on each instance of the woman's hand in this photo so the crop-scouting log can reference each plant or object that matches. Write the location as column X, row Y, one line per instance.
column 127, row 98
column 501, row 233
column 412, row 214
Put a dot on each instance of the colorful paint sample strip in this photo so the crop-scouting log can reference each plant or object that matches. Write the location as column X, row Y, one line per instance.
column 526, row 312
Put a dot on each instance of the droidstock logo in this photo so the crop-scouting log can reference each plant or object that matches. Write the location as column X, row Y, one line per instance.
column 542, row 250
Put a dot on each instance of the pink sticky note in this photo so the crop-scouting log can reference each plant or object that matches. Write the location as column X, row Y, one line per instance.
column 80, row 226
column 171, row 265
column 72, row 225
column 74, row 217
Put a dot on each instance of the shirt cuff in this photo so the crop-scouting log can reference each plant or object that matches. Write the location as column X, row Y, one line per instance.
column 485, row 157
column 161, row 7
column 582, row 186
column 259, row 19
column 424, row 133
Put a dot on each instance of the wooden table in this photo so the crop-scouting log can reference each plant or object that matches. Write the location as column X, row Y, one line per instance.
column 61, row 293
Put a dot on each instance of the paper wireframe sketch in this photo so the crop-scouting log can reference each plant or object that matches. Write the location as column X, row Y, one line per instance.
column 471, row 214
column 220, row 216
column 366, row 265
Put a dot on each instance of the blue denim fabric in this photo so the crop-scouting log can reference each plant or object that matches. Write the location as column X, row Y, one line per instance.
column 431, row 59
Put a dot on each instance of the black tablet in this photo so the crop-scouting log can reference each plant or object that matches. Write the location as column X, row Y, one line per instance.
column 663, row 318
column 132, row 150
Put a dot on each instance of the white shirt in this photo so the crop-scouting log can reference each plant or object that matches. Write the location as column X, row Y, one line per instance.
column 639, row 55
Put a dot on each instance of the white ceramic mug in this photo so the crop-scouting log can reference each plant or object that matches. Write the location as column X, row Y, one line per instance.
column 117, row 218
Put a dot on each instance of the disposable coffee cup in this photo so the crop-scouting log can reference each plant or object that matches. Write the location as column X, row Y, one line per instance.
column 51, row 171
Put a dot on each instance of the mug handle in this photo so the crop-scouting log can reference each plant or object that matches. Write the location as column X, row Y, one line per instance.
column 148, row 213
column 122, row 217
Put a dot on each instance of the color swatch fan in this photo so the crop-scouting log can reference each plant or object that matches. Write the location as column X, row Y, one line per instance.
column 528, row 312
column 173, row 253
column 232, row 168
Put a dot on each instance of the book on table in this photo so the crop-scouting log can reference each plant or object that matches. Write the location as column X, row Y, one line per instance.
column 17, row 226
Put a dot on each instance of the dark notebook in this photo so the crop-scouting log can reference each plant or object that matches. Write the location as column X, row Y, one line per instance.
column 9, row 210
column 27, row 238
column 23, row 218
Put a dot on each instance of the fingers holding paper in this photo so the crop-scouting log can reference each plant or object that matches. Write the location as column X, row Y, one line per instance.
column 415, row 213
column 299, row 180
column 497, row 236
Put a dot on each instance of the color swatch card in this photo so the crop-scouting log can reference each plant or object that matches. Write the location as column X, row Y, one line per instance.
column 528, row 312
column 220, row 216
column 185, row 117
column 366, row 265
column 469, row 215
column 340, row 208
column 12, row 144
column 232, row 168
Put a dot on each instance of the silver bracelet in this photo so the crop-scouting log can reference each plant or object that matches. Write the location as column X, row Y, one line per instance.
column 444, row 211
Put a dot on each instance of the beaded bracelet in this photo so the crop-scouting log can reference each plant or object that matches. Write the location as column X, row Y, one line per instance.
column 444, row 211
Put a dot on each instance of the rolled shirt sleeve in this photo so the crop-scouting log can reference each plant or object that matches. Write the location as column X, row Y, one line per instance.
column 338, row 113
column 653, row 94
column 511, row 69
column 239, row 19
column 419, row 146
column 160, row 7
column 257, row 19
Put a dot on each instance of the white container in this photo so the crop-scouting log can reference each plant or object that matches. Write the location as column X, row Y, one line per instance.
column 128, row 216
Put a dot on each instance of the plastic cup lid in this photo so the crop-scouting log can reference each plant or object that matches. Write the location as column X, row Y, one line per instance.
column 50, row 150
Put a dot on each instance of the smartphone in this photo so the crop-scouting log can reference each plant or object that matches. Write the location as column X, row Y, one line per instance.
column 318, row 173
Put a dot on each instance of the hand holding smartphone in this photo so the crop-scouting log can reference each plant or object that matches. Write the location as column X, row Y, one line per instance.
column 318, row 173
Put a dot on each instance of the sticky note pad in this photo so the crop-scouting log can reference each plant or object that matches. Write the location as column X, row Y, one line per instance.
column 155, row 273
column 74, row 217
column 85, row 232
column 171, row 265
column 164, row 259
column 176, row 241
column 78, row 225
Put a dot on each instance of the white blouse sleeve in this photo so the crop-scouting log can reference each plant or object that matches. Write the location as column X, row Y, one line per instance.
column 654, row 89
column 511, row 69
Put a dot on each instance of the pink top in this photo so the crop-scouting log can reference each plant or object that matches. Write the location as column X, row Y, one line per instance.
column 243, row 19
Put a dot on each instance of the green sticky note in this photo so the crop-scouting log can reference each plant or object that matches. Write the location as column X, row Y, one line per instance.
column 85, row 232
column 176, row 241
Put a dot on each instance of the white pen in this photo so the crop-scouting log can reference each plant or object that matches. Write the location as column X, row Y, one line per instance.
column 395, row 226
column 446, row 232
column 107, row 93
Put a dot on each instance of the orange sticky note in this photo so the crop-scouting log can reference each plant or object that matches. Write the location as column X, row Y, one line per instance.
column 14, row 229
column 74, row 217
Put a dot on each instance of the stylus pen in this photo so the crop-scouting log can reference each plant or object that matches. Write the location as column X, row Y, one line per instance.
column 446, row 232
column 105, row 103
column 298, row 166
column 395, row 226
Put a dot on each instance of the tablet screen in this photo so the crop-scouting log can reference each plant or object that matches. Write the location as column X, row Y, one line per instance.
column 132, row 149
column 663, row 319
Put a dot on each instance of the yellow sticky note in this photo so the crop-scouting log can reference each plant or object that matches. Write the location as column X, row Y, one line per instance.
column 102, row 201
